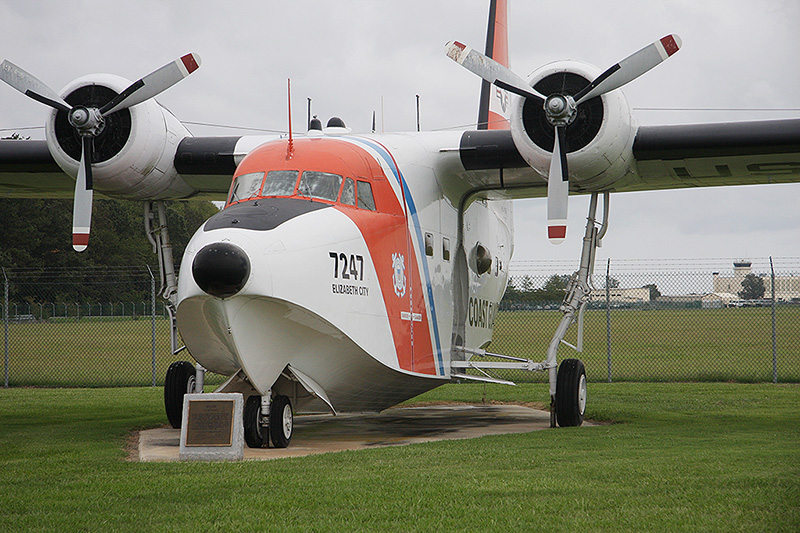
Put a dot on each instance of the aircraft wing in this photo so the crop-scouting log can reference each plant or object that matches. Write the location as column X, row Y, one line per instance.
column 206, row 164
column 27, row 170
column 664, row 157
column 711, row 155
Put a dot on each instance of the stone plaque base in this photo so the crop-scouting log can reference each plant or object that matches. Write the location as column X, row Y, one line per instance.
column 212, row 427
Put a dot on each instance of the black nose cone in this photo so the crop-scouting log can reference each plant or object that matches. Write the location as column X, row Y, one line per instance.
column 221, row 269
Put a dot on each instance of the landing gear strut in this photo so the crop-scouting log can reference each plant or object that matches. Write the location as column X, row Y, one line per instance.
column 568, row 384
column 182, row 377
column 155, row 225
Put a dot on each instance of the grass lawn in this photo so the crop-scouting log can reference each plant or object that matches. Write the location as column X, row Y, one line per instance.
column 700, row 457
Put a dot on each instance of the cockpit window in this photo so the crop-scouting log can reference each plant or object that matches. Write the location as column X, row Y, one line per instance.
column 246, row 186
column 365, row 199
column 348, row 192
column 280, row 183
column 321, row 185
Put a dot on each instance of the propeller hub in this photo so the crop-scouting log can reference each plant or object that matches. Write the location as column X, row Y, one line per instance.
column 88, row 121
column 560, row 109
column 79, row 116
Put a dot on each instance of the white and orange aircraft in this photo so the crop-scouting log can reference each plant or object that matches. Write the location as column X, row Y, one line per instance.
column 350, row 272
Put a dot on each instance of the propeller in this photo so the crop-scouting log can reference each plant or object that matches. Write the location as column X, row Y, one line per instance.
column 561, row 109
column 89, row 122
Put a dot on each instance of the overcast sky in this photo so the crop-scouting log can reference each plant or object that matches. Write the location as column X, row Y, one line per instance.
column 351, row 55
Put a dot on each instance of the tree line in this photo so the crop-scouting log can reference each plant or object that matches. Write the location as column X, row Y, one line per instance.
column 36, row 240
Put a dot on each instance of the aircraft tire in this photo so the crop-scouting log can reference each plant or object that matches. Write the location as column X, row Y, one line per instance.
column 571, row 393
column 253, row 435
column 179, row 381
column 281, row 422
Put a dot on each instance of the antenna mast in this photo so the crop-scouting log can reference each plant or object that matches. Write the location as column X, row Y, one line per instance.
column 290, row 146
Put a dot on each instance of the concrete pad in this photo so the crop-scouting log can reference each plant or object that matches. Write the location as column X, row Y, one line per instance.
column 315, row 434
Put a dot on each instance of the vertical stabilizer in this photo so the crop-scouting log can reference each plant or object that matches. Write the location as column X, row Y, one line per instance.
column 494, row 104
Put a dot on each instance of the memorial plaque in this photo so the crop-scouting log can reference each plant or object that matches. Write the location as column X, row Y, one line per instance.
column 210, row 423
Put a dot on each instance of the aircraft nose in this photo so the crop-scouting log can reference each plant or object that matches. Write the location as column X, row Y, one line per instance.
column 221, row 269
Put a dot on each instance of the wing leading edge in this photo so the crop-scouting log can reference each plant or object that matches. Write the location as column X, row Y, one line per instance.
column 665, row 157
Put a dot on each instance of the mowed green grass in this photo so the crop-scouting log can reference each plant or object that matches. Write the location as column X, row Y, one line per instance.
column 679, row 457
column 665, row 345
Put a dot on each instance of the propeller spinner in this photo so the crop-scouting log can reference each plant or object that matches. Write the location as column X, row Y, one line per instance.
column 89, row 122
column 561, row 109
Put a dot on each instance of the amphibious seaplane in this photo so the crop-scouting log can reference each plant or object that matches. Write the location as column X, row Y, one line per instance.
column 350, row 272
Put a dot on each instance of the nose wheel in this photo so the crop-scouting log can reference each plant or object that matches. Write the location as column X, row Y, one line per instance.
column 281, row 422
column 265, row 419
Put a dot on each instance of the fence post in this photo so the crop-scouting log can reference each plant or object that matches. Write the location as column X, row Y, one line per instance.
column 774, row 332
column 608, row 318
column 5, row 327
column 153, row 321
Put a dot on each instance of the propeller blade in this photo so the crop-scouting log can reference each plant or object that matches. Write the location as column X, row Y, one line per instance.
column 490, row 70
column 31, row 86
column 558, row 190
column 82, row 201
column 153, row 84
column 631, row 67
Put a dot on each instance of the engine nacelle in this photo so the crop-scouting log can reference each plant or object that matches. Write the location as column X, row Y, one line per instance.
column 599, row 140
column 134, row 152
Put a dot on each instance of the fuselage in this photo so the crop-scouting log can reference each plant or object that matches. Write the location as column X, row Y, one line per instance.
column 365, row 272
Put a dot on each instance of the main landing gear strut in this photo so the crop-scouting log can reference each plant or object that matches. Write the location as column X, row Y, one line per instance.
column 182, row 377
column 567, row 383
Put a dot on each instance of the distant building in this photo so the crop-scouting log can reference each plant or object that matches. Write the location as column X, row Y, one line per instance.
column 618, row 295
column 717, row 300
column 787, row 288
column 680, row 298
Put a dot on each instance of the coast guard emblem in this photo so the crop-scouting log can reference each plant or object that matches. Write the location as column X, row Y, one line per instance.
column 399, row 278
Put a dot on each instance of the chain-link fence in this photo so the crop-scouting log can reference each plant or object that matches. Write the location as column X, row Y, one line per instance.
column 647, row 321
column 713, row 320
column 88, row 327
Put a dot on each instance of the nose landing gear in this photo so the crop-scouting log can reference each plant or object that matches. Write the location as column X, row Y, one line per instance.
column 266, row 418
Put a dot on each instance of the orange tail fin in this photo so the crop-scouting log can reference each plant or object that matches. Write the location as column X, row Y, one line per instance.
column 494, row 101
